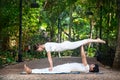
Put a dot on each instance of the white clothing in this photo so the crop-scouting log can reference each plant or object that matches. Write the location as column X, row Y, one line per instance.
column 66, row 45
column 64, row 68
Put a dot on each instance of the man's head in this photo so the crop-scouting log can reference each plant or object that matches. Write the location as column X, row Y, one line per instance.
column 38, row 47
column 94, row 68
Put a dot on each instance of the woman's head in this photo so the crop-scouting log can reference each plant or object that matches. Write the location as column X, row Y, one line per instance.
column 38, row 47
column 94, row 68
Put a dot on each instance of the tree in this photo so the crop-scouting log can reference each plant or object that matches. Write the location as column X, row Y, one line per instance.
column 8, row 22
column 116, row 63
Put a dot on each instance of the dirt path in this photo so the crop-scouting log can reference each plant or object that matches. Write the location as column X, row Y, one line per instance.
column 12, row 72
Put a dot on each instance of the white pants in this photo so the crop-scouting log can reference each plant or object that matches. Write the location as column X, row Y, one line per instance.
column 64, row 68
column 73, row 45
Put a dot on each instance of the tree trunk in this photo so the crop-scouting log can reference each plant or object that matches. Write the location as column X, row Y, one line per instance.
column 116, row 63
column 71, row 19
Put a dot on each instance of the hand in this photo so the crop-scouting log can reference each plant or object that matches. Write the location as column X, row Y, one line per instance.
column 50, row 69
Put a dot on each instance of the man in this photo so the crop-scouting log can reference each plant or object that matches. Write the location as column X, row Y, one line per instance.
column 68, row 67
column 67, row 45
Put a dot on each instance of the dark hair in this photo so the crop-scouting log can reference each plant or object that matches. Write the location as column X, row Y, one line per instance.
column 96, row 68
column 36, row 46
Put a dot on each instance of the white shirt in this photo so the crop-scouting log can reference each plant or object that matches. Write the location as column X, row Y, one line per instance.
column 69, row 67
column 54, row 47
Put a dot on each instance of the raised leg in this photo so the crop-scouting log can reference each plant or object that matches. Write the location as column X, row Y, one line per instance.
column 83, row 56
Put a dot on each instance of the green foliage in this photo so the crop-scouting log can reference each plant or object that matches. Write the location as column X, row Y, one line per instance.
column 91, row 52
column 67, row 53
column 7, row 57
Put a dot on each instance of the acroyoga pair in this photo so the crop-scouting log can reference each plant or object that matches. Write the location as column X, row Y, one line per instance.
column 67, row 67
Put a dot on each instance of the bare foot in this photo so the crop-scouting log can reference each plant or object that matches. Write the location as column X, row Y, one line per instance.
column 27, row 69
column 100, row 40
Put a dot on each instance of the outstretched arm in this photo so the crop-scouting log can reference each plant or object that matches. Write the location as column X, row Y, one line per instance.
column 84, row 60
column 50, row 60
